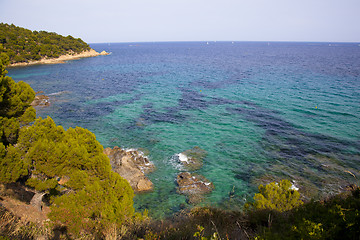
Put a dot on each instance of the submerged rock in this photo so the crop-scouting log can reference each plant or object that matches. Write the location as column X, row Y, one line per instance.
column 132, row 165
column 192, row 159
column 194, row 186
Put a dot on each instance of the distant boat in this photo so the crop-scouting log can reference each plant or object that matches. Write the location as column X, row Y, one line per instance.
column 207, row 43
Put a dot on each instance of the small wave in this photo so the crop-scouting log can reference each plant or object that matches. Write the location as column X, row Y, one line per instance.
column 130, row 149
column 176, row 162
column 139, row 152
column 293, row 187
column 183, row 157
column 338, row 113
column 58, row 93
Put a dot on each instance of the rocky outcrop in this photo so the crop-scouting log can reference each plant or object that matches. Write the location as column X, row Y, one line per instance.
column 104, row 53
column 132, row 165
column 192, row 159
column 36, row 201
column 194, row 186
column 40, row 101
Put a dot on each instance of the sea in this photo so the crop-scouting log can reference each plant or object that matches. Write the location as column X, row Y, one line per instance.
column 263, row 111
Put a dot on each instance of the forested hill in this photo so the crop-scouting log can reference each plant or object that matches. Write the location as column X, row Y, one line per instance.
column 24, row 45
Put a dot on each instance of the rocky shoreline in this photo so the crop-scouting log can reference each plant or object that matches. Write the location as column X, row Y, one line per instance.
column 62, row 59
column 132, row 165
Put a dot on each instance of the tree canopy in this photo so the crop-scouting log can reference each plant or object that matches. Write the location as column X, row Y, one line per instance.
column 15, row 109
column 68, row 165
column 277, row 196
column 71, row 166
column 23, row 45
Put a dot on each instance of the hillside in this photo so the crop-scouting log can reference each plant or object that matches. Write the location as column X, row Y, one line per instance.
column 24, row 45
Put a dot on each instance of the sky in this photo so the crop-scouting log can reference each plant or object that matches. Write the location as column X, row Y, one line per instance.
column 189, row 20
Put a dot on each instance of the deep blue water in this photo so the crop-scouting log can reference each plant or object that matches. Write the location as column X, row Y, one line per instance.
column 262, row 112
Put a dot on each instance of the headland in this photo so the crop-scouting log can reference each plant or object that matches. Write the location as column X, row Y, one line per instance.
column 62, row 58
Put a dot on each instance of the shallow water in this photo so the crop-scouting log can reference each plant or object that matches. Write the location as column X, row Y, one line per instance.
column 261, row 111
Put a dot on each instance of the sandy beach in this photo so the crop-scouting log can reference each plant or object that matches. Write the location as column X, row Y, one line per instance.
column 61, row 59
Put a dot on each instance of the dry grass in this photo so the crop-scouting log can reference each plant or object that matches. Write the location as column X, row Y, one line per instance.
column 15, row 227
column 224, row 224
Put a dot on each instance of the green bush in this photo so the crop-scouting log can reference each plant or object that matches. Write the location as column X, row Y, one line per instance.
column 94, row 195
column 15, row 109
column 95, row 206
column 277, row 196
column 334, row 218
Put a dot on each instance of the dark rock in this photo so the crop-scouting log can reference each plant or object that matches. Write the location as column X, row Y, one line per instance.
column 194, row 186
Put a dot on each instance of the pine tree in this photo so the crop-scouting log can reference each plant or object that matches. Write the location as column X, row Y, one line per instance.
column 277, row 196
column 15, row 109
column 69, row 166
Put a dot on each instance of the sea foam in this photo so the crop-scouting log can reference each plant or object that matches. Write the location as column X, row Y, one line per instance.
column 183, row 158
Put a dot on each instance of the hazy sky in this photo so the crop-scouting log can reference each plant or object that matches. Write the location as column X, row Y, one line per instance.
column 189, row 20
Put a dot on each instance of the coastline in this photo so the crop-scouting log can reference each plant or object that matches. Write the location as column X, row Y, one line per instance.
column 62, row 58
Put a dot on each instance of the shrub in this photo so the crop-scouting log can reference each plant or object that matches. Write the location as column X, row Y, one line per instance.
column 335, row 218
column 277, row 196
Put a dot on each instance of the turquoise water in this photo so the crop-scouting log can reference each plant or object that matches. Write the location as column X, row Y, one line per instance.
column 261, row 111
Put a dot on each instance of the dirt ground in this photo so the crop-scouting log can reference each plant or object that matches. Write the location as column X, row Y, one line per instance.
column 16, row 199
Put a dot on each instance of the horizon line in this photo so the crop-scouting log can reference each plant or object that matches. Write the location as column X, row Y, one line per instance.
column 234, row 41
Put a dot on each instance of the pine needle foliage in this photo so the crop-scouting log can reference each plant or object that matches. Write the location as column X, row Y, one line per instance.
column 277, row 196
column 86, row 196
column 335, row 218
column 15, row 109
column 91, row 195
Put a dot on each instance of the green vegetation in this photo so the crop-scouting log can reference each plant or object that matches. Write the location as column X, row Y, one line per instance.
column 15, row 109
column 68, row 166
column 23, row 45
column 335, row 218
column 277, row 196
column 89, row 201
